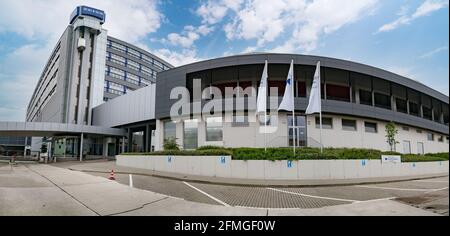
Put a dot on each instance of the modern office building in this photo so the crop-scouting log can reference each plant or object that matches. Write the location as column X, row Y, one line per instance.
column 86, row 68
column 357, row 101
column 103, row 96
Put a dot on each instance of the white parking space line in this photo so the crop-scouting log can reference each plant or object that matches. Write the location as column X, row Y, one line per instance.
column 312, row 196
column 206, row 194
column 401, row 189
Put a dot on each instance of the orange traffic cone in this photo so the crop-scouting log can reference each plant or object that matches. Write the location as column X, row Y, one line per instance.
column 112, row 175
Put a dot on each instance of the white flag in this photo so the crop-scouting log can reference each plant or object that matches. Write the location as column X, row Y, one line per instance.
column 315, row 104
column 261, row 101
column 287, row 103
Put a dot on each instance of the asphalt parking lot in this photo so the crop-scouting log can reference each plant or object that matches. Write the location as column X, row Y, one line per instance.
column 429, row 194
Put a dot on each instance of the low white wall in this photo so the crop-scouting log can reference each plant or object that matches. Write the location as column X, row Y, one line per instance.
column 223, row 166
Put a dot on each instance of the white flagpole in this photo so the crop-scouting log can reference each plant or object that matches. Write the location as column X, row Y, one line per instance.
column 265, row 130
column 265, row 111
column 293, row 108
column 320, row 117
column 320, row 112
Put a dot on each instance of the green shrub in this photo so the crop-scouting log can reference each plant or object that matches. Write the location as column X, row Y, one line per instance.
column 171, row 144
column 306, row 153
column 210, row 147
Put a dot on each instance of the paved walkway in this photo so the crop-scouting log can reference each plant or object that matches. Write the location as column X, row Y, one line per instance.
column 103, row 166
column 48, row 190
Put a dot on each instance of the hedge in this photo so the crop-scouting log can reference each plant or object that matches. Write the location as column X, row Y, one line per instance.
column 305, row 153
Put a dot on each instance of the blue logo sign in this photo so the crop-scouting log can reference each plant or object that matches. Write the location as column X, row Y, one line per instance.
column 169, row 159
column 414, row 164
column 289, row 164
column 222, row 159
column 88, row 11
column 363, row 162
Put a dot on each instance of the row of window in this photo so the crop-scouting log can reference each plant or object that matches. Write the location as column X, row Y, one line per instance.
column 214, row 131
column 347, row 124
column 134, row 53
column 130, row 64
column 370, row 127
column 115, row 88
column 126, row 76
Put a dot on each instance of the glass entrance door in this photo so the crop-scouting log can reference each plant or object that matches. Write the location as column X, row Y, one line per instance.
column 299, row 129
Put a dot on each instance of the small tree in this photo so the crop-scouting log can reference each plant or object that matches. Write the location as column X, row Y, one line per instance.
column 391, row 131
column 171, row 144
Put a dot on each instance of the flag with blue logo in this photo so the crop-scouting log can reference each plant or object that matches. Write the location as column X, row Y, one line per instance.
column 287, row 103
column 261, row 101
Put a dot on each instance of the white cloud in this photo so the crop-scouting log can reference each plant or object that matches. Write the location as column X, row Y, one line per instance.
column 20, row 73
column 41, row 23
column 433, row 52
column 426, row 8
column 213, row 12
column 188, row 36
column 301, row 22
column 128, row 20
column 184, row 57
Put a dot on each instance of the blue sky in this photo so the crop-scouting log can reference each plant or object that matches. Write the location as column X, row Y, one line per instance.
column 408, row 37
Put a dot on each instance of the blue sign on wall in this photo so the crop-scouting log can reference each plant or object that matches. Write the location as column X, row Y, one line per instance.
column 88, row 11
column 363, row 162
column 169, row 159
column 222, row 159
column 289, row 164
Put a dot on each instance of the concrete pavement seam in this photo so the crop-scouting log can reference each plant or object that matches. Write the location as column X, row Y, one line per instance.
column 137, row 208
column 64, row 191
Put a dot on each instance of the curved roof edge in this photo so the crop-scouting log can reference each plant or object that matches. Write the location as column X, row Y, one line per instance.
column 258, row 58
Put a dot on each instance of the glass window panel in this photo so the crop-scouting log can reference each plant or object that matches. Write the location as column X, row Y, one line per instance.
column 327, row 122
column 190, row 134
column 169, row 130
column 370, row 127
column 349, row 124
column 214, row 129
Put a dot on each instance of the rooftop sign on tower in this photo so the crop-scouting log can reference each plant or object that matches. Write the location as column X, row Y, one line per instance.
column 88, row 11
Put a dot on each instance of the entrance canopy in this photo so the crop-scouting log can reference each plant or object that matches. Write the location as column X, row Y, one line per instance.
column 43, row 129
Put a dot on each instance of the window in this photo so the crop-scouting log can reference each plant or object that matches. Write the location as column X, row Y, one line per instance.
column 190, row 134
column 405, row 128
column 133, row 78
column 441, row 139
column 413, row 109
column 169, row 130
column 401, row 105
column 418, row 131
column 365, row 97
column 349, row 125
column 214, row 129
column 406, row 147
column 382, row 100
column 338, row 92
column 133, row 65
column 370, row 127
column 327, row 122
column 420, row 149
column 430, row 136
column 426, row 113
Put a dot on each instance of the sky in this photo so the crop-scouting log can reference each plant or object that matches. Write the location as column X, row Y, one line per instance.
column 407, row 37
